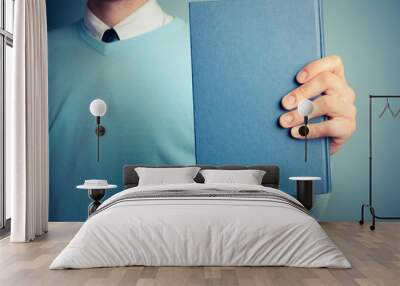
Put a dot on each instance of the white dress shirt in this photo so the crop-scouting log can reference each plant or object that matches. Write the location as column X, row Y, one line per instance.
column 148, row 17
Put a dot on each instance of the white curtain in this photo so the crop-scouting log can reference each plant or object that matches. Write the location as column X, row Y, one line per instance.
column 27, row 124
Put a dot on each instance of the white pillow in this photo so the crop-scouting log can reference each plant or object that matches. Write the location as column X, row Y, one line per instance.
column 164, row 176
column 248, row 177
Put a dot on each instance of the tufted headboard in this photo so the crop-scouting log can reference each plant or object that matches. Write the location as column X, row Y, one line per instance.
column 271, row 177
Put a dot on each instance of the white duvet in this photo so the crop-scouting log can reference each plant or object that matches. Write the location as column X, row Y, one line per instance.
column 200, row 231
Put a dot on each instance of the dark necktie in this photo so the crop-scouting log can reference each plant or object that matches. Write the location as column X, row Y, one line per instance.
column 110, row 36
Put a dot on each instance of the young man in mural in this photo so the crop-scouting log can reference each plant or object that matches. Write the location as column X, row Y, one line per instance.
column 136, row 57
column 322, row 76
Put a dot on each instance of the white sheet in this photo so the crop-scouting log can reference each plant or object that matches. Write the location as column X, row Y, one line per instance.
column 206, row 231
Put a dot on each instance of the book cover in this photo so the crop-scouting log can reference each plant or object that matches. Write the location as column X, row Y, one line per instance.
column 245, row 56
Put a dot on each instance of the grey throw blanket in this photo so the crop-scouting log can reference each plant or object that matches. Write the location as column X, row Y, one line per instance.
column 205, row 194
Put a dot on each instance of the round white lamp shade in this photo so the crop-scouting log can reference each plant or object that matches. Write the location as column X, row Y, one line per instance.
column 305, row 107
column 98, row 107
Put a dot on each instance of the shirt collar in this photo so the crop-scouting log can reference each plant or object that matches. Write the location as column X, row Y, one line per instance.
column 145, row 19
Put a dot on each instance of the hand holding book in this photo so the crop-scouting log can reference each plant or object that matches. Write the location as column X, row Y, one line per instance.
column 325, row 76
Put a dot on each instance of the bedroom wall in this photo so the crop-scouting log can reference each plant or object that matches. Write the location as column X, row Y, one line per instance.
column 365, row 37
column 365, row 34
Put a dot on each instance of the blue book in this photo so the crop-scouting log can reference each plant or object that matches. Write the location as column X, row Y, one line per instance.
column 245, row 56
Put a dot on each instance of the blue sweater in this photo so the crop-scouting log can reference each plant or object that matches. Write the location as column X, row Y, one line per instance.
column 147, row 85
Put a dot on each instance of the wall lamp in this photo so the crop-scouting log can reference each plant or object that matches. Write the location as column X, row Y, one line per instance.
column 98, row 108
column 305, row 108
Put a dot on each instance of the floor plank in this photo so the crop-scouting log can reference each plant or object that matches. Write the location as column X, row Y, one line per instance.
column 375, row 257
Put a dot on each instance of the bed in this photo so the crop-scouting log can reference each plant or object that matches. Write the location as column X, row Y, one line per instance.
column 198, row 224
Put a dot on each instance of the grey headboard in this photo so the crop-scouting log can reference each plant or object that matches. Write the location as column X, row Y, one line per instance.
column 271, row 177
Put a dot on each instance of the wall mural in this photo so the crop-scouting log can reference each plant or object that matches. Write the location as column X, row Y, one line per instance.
column 166, row 102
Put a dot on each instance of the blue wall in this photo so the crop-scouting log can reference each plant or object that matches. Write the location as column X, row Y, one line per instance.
column 365, row 34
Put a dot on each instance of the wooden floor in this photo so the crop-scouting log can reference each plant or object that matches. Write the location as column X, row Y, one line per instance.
column 375, row 257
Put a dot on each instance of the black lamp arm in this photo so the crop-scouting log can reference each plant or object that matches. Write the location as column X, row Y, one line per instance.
column 100, row 131
column 303, row 131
